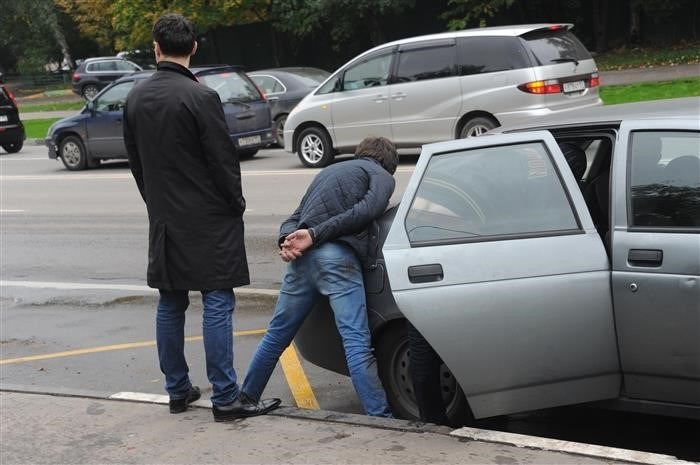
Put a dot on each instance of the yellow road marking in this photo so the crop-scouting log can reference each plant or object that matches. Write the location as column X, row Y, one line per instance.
column 297, row 380
column 93, row 350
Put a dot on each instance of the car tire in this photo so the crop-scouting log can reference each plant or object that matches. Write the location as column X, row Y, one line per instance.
column 279, row 129
column 315, row 149
column 89, row 91
column 72, row 153
column 13, row 147
column 247, row 153
column 476, row 127
column 394, row 370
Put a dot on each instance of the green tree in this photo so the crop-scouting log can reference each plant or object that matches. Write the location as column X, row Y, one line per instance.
column 342, row 19
column 463, row 14
column 133, row 19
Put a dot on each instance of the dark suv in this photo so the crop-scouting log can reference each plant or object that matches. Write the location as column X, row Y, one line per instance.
column 94, row 74
column 11, row 128
column 83, row 140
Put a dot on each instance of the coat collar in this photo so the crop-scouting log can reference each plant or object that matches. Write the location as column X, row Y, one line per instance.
column 171, row 66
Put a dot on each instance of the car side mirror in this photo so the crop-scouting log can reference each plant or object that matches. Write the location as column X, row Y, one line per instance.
column 90, row 105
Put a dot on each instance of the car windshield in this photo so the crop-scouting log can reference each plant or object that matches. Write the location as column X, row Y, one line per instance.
column 231, row 86
column 555, row 46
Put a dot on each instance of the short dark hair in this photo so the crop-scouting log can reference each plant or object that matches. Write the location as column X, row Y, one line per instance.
column 381, row 149
column 175, row 34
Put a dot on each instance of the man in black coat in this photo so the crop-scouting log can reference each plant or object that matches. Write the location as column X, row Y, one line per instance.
column 186, row 168
column 326, row 242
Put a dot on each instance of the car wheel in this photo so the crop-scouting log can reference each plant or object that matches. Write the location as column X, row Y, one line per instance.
column 13, row 147
column 394, row 370
column 315, row 150
column 72, row 153
column 476, row 127
column 247, row 153
column 279, row 129
column 89, row 91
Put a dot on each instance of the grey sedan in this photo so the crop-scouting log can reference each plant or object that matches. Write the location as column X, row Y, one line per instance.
column 539, row 287
column 285, row 87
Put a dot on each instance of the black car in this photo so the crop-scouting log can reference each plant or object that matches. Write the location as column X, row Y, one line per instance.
column 94, row 74
column 83, row 140
column 285, row 87
column 11, row 128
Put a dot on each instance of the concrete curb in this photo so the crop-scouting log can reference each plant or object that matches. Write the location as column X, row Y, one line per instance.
column 462, row 434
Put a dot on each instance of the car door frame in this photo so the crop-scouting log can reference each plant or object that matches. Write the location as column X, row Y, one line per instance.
column 504, row 360
column 657, row 304
column 104, row 129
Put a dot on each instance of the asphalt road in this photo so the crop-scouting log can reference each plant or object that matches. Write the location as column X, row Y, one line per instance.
column 90, row 228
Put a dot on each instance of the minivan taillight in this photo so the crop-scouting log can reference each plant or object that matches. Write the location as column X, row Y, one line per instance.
column 541, row 87
column 595, row 80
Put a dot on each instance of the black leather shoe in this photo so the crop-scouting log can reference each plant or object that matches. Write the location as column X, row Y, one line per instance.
column 244, row 407
column 180, row 405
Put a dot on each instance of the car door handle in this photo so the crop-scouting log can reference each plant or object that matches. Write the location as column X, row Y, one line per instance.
column 245, row 115
column 379, row 98
column 645, row 257
column 425, row 273
column 272, row 99
column 399, row 95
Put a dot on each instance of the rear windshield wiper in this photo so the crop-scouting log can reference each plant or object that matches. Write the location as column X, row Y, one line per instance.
column 564, row 60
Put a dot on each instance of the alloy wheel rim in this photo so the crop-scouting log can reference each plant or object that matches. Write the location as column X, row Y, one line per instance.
column 477, row 130
column 312, row 148
column 90, row 92
column 71, row 153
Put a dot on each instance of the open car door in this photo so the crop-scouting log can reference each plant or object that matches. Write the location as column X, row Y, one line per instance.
column 494, row 258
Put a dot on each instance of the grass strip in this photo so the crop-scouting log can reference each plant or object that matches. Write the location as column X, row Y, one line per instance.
column 37, row 128
column 650, row 91
column 52, row 106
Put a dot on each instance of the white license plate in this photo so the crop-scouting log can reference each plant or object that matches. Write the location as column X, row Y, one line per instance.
column 251, row 140
column 3, row 117
column 574, row 86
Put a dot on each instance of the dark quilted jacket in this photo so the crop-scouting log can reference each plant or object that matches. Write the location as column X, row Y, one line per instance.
column 342, row 203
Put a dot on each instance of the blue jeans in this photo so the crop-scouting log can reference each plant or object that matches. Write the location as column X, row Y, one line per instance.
column 218, row 343
column 332, row 270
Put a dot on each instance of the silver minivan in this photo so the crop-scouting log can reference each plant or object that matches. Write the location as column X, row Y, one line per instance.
column 444, row 86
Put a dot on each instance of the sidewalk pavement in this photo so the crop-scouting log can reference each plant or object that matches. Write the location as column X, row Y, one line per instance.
column 98, row 428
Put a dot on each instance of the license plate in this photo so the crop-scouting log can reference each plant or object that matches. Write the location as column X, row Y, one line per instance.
column 250, row 140
column 574, row 86
column 3, row 117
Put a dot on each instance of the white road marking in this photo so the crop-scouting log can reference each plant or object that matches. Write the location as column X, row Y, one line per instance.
column 23, row 159
column 114, row 287
column 12, row 211
column 591, row 450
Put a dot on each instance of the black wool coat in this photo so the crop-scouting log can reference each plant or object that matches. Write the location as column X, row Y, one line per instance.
column 187, row 170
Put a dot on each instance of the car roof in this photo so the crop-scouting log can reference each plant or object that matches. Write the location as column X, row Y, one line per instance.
column 612, row 115
column 288, row 69
column 88, row 60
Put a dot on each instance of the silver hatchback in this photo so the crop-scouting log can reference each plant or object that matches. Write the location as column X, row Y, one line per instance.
column 444, row 86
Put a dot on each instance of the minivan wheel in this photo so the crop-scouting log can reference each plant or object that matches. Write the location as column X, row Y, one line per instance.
column 279, row 129
column 315, row 150
column 72, row 153
column 395, row 372
column 476, row 127
column 13, row 147
column 89, row 91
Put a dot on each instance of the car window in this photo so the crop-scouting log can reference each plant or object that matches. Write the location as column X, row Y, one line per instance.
column 311, row 77
column 268, row 84
column 126, row 66
column 114, row 98
column 490, row 54
column 232, row 86
column 368, row 73
column 554, row 46
column 665, row 178
column 425, row 63
column 486, row 192
column 110, row 65
column 4, row 97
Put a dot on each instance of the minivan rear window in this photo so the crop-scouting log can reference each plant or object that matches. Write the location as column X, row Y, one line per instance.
column 478, row 55
column 555, row 46
column 231, row 86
